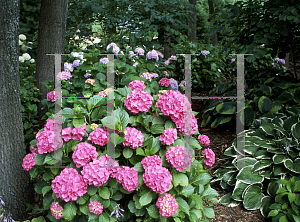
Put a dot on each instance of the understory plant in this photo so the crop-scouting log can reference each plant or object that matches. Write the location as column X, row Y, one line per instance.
column 152, row 174
column 255, row 174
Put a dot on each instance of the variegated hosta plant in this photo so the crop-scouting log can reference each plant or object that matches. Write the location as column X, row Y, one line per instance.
column 271, row 153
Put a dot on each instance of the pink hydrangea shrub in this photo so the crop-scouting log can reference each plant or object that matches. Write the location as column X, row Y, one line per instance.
column 45, row 142
column 203, row 139
column 179, row 156
column 158, row 179
column 182, row 124
column 67, row 134
column 50, row 125
column 99, row 136
column 167, row 205
column 94, row 173
column 137, row 85
column 209, row 157
column 29, row 161
column 33, row 150
column 164, row 82
column 138, row 101
column 69, row 185
column 110, row 163
column 147, row 75
column 95, row 207
column 65, row 75
column 83, row 153
column 133, row 138
column 52, row 96
column 130, row 180
column 56, row 210
column 150, row 161
column 168, row 137
column 79, row 132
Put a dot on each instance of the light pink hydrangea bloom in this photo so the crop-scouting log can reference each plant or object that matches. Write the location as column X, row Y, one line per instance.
column 99, row 136
column 115, row 50
column 56, row 210
column 150, row 161
column 179, row 156
column 204, row 140
column 67, row 134
column 139, row 51
column 168, row 137
column 154, row 55
column 147, row 75
column 65, row 75
column 53, row 96
column 29, row 161
column 135, row 64
column 173, row 58
column 209, row 157
column 167, row 205
column 138, row 101
column 167, row 62
column 69, row 185
column 83, row 153
column 137, row 85
column 133, row 138
column 164, row 82
column 95, row 207
column 93, row 174
column 104, row 60
column 50, row 125
column 158, row 179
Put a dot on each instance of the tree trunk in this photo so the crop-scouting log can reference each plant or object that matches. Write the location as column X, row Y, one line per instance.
column 192, row 35
column 167, row 49
column 14, row 181
column 211, row 12
column 51, row 40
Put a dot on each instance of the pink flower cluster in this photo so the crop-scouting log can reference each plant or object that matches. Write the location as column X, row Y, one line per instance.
column 204, row 140
column 45, row 142
column 128, row 177
column 137, row 85
column 168, row 137
column 51, row 123
column 115, row 50
column 139, row 51
column 171, row 58
column 77, row 133
column 95, row 207
column 154, row 55
column 104, row 60
column 177, row 106
column 63, row 75
column 164, row 82
column 51, row 96
column 99, row 136
column 156, row 177
column 90, row 81
column 56, row 210
column 147, row 75
column 105, row 92
column 209, row 157
column 95, row 174
column 138, row 101
column 69, row 185
column 167, row 205
column 29, row 161
column 178, row 157
column 83, row 153
column 133, row 138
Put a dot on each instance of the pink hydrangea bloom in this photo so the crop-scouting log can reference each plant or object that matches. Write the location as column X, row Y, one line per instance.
column 94, row 174
column 83, row 153
column 167, row 62
column 110, row 164
column 79, row 132
column 115, row 50
column 104, row 60
column 99, row 136
column 150, row 161
column 33, row 150
column 29, row 161
column 205, row 53
column 164, row 82
column 133, row 138
column 45, row 142
column 209, row 157
column 182, row 124
column 65, row 75
column 69, row 185
column 52, row 96
column 67, row 134
column 147, row 75
column 130, row 180
column 168, row 137
column 50, row 125
column 204, row 140
column 56, row 210
column 167, row 205
column 118, row 174
column 139, row 51
column 173, row 58
column 138, row 101
column 95, row 207
column 135, row 64
column 154, row 55
column 137, row 85
column 68, row 67
column 179, row 156
column 158, row 179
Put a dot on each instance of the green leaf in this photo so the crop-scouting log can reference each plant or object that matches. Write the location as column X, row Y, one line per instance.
column 92, row 190
column 150, row 66
column 296, row 131
column 40, row 158
column 187, row 190
column 82, row 200
column 104, row 192
column 39, row 219
column 198, row 200
column 78, row 122
column 46, row 189
column 246, row 176
column 146, row 198
column 140, row 151
column 209, row 212
column 202, row 179
column 253, row 197
column 138, row 166
column 158, row 120
column 69, row 211
column 153, row 211
column 209, row 192
column 38, row 187
column 183, row 205
column 127, row 152
column 157, row 129
column 180, row 179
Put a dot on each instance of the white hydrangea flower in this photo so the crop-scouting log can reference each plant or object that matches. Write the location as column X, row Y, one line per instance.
column 20, row 42
column 24, row 48
column 97, row 40
column 32, row 60
column 21, row 59
column 74, row 54
column 26, row 56
column 22, row 37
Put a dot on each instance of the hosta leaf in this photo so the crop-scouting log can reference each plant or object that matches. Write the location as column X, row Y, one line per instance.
column 253, row 197
column 238, row 190
column 246, row 176
column 261, row 164
column 228, row 201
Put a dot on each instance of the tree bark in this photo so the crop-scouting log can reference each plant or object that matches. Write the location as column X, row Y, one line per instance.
column 51, row 40
column 192, row 35
column 14, row 181
column 167, row 49
column 211, row 12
